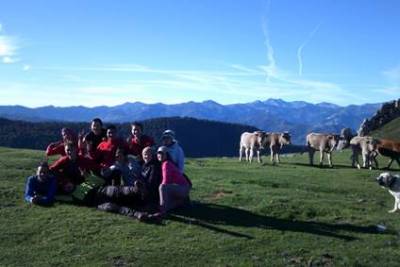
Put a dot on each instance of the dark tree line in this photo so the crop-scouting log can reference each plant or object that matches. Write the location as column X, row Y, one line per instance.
column 199, row 138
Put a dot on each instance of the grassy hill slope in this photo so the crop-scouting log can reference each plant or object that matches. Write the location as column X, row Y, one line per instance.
column 390, row 130
column 290, row 214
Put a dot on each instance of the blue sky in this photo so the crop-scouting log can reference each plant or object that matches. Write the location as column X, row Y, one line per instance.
column 110, row 52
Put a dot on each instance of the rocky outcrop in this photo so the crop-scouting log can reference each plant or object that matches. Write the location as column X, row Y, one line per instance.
column 389, row 111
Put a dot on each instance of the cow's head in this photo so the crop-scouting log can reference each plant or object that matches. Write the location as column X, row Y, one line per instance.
column 344, row 139
column 333, row 140
column 261, row 138
column 284, row 139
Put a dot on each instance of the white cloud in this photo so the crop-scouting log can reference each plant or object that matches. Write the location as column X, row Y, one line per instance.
column 26, row 67
column 9, row 60
column 8, row 48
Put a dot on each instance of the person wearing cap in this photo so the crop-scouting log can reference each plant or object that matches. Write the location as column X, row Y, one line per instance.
column 137, row 141
column 174, row 188
column 174, row 149
column 41, row 188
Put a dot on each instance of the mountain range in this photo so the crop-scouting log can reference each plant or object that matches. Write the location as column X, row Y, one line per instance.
column 297, row 117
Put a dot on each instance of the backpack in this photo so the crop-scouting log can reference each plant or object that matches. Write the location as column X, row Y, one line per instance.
column 85, row 192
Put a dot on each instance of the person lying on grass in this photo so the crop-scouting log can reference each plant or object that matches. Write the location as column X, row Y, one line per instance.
column 41, row 188
column 137, row 199
column 174, row 188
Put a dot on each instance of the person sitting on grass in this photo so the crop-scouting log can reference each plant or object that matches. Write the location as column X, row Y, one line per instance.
column 71, row 169
column 151, row 175
column 105, row 152
column 174, row 188
column 92, row 139
column 57, row 148
column 175, row 150
column 137, row 141
column 125, row 169
column 41, row 188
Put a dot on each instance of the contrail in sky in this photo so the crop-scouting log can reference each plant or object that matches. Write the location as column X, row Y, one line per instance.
column 270, row 69
column 300, row 49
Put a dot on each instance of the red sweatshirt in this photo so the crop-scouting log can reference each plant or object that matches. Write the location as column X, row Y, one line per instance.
column 56, row 148
column 105, row 153
column 137, row 145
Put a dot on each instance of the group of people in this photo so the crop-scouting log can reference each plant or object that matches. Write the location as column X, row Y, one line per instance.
column 130, row 177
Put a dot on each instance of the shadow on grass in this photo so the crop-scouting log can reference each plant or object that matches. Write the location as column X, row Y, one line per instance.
column 214, row 216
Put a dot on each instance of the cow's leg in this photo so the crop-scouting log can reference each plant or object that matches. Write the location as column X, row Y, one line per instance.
column 329, row 154
column 251, row 155
column 277, row 157
column 247, row 151
column 365, row 160
column 259, row 156
column 311, row 156
column 272, row 155
column 321, row 157
column 396, row 205
column 354, row 157
column 241, row 150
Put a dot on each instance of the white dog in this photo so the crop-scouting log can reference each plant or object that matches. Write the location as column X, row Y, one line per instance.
column 392, row 183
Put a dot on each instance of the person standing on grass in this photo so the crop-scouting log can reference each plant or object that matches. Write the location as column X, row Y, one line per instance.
column 137, row 141
column 174, row 188
column 41, row 188
column 174, row 149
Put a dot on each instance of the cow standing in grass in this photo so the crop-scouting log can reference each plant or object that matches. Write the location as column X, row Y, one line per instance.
column 324, row 143
column 276, row 141
column 367, row 147
column 389, row 148
column 250, row 142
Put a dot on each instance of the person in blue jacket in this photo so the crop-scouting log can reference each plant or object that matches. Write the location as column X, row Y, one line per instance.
column 41, row 188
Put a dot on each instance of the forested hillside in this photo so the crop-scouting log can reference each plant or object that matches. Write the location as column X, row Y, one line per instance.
column 199, row 138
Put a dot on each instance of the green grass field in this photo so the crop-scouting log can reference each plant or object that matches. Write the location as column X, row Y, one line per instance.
column 243, row 215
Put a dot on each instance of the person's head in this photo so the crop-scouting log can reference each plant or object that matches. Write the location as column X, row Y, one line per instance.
column 168, row 137
column 70, row 150
column 96, row 126
column 147, row 154
column 120, row 155
column 111, row 132
column 67, row 134
column 137, row 129
column 162, row 153
column 42, row 171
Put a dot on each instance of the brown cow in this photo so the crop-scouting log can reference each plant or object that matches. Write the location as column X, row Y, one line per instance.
column 324, row 143
column 250, row 142
column 276, row 141
column 389, row 148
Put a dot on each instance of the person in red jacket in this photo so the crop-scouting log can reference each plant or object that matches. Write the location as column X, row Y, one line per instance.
column 106, row 150
column 174, row 188
column 137, row 141
column 70, row 170
column 57, row 148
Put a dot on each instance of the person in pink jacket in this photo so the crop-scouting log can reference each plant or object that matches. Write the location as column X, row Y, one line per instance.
column 174, row 188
